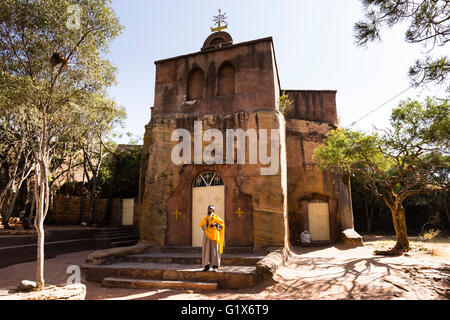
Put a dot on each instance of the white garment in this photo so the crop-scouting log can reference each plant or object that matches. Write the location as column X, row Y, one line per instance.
column 305, row 237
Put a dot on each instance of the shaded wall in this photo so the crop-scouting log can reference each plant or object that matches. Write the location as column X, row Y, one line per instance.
column 310, row 117
column 67, row 210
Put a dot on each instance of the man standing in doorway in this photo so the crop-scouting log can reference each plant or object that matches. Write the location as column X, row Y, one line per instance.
column 214, row 231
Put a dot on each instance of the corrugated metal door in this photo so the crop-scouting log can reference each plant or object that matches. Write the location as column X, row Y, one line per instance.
column 201, row 198
column 319, row 220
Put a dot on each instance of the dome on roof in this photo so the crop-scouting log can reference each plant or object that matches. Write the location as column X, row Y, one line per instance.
column 217, row 40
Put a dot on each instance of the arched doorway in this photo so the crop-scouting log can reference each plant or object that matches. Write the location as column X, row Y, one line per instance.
column 208, row 188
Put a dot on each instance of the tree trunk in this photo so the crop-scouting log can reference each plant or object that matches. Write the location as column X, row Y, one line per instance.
column 107, row 218
column 368, row 221
column 39, row 225
column 80, row 216
column 446, row 209
column 92, row 199
column 40, row 195
column 29, row 220
column 401, row 231
column 399, row 221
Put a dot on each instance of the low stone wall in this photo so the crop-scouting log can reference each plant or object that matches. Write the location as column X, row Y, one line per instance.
column 66, row 211
column 22, row 248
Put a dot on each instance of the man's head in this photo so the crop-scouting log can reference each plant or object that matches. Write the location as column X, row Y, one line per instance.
column 211, row 209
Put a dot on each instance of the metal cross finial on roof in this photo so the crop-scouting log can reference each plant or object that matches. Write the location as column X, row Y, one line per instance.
column 219, row 20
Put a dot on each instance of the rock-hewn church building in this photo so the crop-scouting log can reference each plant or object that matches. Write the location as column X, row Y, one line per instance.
column 236, row 86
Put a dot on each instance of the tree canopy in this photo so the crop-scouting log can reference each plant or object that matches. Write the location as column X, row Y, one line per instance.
column 428, row 23
column 53, row 79
column 397, row 162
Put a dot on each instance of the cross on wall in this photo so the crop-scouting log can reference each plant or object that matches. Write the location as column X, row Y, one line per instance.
column 176, row 213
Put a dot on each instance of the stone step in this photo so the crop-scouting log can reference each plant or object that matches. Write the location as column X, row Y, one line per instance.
column 116, row 234
column 128, row 283
column 124, row 243
column 228, row 259
column 118, row 231
column 119, row 237
column 230, row 277
column 181, row 249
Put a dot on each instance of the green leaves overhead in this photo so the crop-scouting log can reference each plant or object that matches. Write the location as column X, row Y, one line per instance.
column 403, row 158
column 428, row 23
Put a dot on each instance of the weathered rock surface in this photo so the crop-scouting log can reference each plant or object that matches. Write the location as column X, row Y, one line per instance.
column 26, row 285
column 268, row 266
column 114, row 254
column 351, row 237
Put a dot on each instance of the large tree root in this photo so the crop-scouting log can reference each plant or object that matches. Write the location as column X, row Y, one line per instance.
column 395, row 251
column 391, row 252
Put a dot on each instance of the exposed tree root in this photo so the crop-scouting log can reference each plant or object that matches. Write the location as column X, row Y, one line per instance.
column 391, row 252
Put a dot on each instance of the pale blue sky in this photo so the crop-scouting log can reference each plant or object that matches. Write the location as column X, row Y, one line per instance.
column 314, row 47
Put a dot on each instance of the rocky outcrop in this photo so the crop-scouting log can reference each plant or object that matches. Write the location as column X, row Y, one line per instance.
column 351, row 237
column 268, row 266
column 112, row 255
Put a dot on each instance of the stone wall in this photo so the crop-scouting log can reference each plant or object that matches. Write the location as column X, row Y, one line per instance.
column 253, row 64
column 306, row 181
column 165, row 187
column 274, row 205
column 67, row 210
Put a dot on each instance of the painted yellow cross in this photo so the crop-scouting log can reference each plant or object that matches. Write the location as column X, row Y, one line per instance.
column 176, row 213
column 239, row 212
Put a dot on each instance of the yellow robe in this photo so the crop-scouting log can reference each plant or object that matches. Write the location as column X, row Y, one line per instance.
column 211, row 232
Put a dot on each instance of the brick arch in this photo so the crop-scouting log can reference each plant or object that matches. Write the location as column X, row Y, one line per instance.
column 195, row 85
column 227, row 79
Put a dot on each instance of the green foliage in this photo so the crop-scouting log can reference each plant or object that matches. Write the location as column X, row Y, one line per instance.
column 127, row 168
column 284, row 102
column 405, row 159
column 65, row 97
column 428, row 23
column 127, row 180
column 431, row 234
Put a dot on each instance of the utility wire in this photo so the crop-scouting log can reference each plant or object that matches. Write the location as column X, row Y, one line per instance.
column 367, row 114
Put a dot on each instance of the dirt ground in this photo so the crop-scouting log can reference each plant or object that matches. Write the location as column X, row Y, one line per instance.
column 332, row 272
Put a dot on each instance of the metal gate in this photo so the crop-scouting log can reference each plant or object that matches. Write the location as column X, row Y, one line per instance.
column 208, row 189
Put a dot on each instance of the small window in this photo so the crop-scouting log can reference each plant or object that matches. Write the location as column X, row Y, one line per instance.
column 208, row 179
column 195, row 84
column 318, row 201
column 226, row 80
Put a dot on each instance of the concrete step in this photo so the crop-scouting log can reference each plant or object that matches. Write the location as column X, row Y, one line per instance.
column 228, row 259
column 181, row 249
column 230, row 277
column 113, row 282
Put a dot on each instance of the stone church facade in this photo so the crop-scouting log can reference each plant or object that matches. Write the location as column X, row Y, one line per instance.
column 236, row 86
